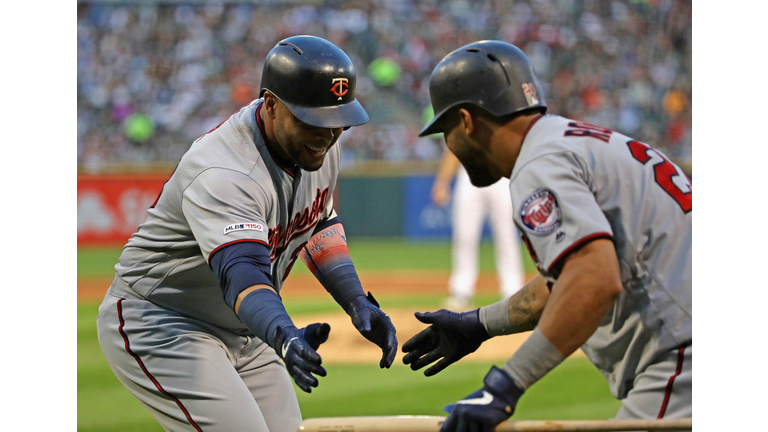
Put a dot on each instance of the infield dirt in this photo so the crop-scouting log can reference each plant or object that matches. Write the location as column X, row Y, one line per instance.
column 303, row 285
column 345, row 345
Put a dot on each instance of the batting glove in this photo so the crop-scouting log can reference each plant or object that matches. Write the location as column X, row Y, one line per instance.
column 374, row 325
column 450, row 337
column 486, row 408
column 298, row 348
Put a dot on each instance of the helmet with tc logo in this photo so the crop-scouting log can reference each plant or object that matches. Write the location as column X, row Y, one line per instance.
column 315, row 80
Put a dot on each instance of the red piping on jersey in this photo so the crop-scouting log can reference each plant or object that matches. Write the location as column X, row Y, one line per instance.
column 219, row 125
column 233, row 242
column 578, row 243
column 680, row 357
column 262, row 129
column 260, row 122
column 530, row 125
column 163, row 188
column 144, row 368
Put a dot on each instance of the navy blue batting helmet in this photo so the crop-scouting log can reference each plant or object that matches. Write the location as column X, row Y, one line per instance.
column 493, row 75
column 315, row 80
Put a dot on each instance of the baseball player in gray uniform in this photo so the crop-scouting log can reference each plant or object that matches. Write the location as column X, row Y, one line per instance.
column 193, row 324
column 607, row 220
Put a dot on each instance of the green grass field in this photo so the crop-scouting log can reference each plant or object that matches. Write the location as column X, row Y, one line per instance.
column 368, row 254
column 574, row 390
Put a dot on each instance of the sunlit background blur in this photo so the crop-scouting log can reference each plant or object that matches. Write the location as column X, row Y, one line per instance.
column 154, row 76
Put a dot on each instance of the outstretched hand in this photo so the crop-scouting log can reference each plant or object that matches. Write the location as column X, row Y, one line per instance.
column 375, row 326
column 298, row 348
column 450, row 337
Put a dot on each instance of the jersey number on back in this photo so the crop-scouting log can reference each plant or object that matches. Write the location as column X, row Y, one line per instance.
column 665, row 173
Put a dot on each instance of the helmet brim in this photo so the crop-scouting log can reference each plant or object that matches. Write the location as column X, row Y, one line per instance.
column 432, row 127
column 436, row 125
column 331, row 117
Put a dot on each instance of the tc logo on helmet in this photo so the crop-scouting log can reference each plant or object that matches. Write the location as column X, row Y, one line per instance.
column 540, row 212
column 340, row 87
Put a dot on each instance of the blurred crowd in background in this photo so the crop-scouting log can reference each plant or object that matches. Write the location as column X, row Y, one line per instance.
column 154, row 76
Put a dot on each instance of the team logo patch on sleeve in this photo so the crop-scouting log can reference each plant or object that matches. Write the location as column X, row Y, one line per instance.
column 244, row 226
column 540, row 212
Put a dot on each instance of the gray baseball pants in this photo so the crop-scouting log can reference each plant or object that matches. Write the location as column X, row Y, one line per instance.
column 193, row 376
column 663, row 390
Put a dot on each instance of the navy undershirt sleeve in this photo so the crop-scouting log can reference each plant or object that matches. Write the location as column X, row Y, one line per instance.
column 241, row 265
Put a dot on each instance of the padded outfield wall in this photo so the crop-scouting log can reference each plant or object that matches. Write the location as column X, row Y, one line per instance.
column 371, row 204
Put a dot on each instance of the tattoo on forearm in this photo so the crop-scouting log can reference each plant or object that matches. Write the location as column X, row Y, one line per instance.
column 524, row 309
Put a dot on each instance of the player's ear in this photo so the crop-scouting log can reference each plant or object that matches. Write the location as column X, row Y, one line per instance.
column 477, row 124
column 270, row 104
column 466, row 121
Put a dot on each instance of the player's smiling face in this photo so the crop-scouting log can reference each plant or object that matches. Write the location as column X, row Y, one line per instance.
column 303, row 144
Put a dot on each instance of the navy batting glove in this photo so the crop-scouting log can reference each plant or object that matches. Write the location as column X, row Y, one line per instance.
column 486, row 408
column 450, row 337
column 298, row 348
column 374, row 325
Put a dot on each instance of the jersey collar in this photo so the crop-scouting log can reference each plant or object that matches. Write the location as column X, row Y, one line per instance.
column 290, row 168
column 530, row 125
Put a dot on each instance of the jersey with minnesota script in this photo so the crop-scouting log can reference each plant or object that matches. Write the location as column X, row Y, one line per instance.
column 226, row 189
column 574, row 182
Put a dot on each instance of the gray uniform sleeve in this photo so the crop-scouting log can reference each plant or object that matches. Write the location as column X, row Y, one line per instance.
column 224, row 206
column 556, row 209
column 330, row 212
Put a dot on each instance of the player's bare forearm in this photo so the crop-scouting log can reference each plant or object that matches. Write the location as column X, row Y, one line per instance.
column 449, row 164
column 517, row 313
column 442, row 186
column 526, row 306
column 585, row 292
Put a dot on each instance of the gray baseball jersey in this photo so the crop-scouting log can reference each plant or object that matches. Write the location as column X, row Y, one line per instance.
column 574, row 182
column 164, row 326
column 226, row 189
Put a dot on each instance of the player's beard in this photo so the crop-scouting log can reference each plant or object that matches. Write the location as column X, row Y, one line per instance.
column 308, row 162
column 295, row 149
column 476, row 164
column 478, row 174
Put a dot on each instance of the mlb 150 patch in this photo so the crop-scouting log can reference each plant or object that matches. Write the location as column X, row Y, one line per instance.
column 540, row 212
column 244, row 226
